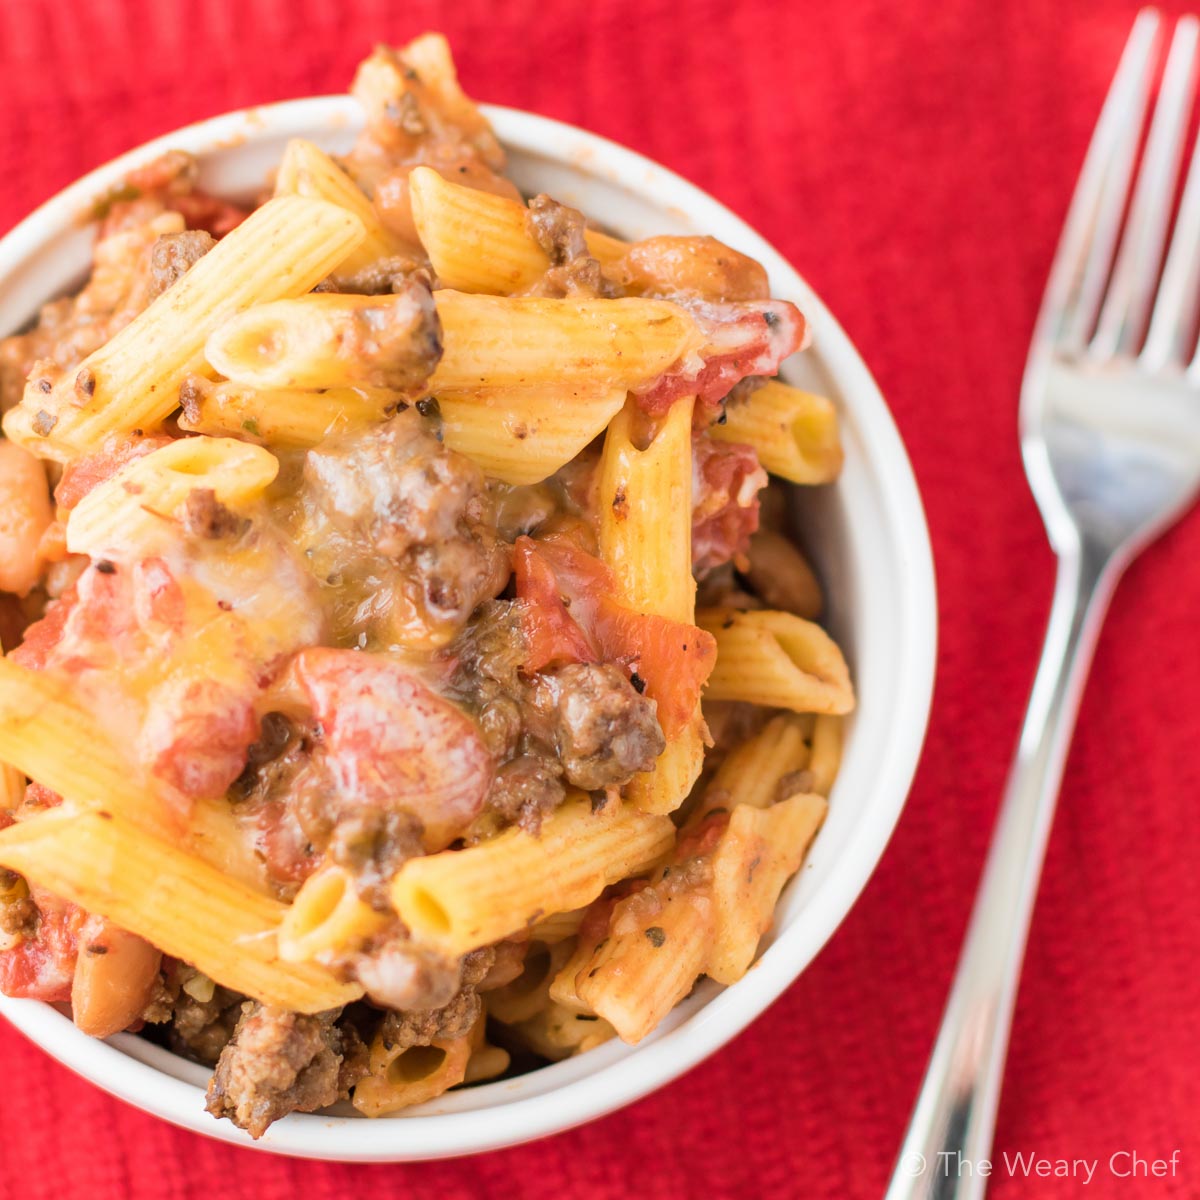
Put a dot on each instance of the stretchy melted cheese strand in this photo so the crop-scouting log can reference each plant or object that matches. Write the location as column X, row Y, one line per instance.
column 480, row 242
column 187, row 908
column 645, row 531
column 289, row 417
column 524, row 435
column 283, row 249
column 139, row 511
column 795, row 433
column 776, row 659
column 306, row 170
column 522, row 341
column 459, row 900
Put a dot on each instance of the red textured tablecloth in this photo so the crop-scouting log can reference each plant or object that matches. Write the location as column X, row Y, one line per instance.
column 914, row 161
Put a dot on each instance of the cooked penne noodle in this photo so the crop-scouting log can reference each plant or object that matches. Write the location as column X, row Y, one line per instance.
column 107, row 865
column 326, row 917
column 781, row 577
column 306, row 170
column 327, row 340
column 758, row 853
column 501, row 341
column 751, row 773
column 115, row 977
column 645, row 534
column 40, row 712
column 139, row 510
column 403, row 1076
column 458, row 900
column 132, row 382
column 287, row 417
column 480, row 242
column 558, row 927
column 557, row 1033
column 528, row 994
column 828, row 734
column 488, row 1062
column 524, row 435
column 776, row 659
column 12, row 788
column 39, row 715
column 795, row 433
column 648, row 963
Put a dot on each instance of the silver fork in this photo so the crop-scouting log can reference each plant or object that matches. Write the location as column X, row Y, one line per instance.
column 1110, row 434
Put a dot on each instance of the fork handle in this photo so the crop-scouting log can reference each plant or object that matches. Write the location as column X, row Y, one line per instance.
column 950, row 1132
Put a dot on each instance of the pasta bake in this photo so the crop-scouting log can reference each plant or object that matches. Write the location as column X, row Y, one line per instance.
column 411, row 675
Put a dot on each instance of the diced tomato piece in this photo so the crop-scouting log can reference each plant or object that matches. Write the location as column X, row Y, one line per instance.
column 725, row 512
column 80, row 477
column 672, row 658
column 287, row 853
column 552, row 635
column 703, row 839
column 43, row 636
column 196, row 735
column 43, row 967
column 743, row 339
column 390, row 741
column 203, row 211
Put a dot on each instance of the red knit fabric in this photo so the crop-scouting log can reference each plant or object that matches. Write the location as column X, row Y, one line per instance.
column 915, row 162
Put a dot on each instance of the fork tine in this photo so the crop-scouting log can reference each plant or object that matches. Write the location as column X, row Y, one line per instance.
column 1084, row 253
column 1132, row 285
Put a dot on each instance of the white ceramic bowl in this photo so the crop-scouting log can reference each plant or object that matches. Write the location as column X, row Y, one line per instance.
column 867, row 535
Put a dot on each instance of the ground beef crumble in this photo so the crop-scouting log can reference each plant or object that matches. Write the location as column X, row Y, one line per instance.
column 583, row 724
column 281, row 1062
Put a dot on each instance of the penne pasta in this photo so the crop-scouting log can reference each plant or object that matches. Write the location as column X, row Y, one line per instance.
column 758, row 853
column 40, row 712
column 794, row 433
column 645, row 534
column 557, row 1033
column 107, row 865
column 528, row 994
column 480, row 242
column 402, row 1076
column 499, row 341
column 776, row 659
column 330, row 341
column 751, row 774
column 306, row 170
column 294, row 418
column 524, row 435
column 558, row 927
column 828, row 734
column 140, row 509
column 458, row 900
column 781, row 577
column 132, row 382
column 327, row 917
column 648, row 963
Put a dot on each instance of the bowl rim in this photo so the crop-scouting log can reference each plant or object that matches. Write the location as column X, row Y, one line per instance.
column 656, row 1061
